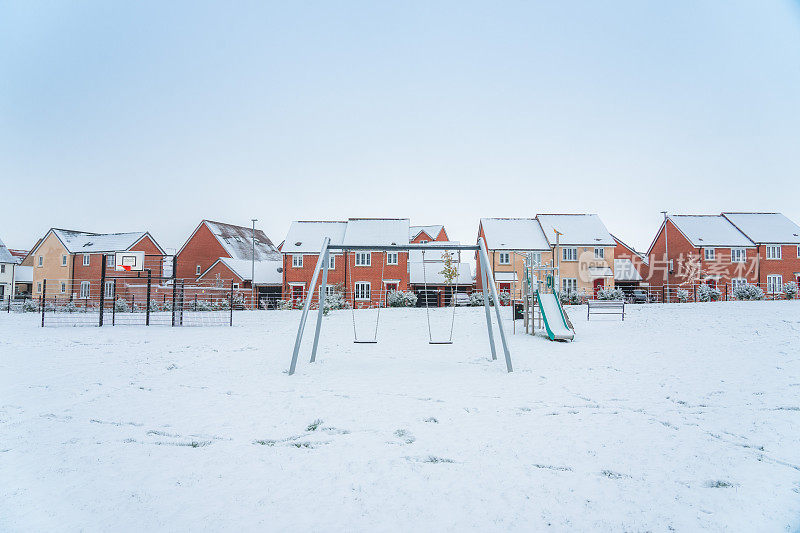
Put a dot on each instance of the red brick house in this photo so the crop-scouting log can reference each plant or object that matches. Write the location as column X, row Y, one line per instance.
column 365, row 276
column 777, row 241
column 241, row 275
column 630, row 267
column 694, row 249
column 423, row 234
column 71, row 262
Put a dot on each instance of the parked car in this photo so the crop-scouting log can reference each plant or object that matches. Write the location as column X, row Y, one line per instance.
column 639, row 296
column 462, row 298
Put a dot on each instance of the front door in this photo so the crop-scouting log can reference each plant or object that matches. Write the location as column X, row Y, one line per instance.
column 297, row 293
column 599, row 284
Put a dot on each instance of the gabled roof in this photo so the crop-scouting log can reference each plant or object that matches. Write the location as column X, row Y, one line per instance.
column 417, row 256
column 382, row 231
column 631, row 249
column 77, row 242
column 238, row 241
column 514, row 234
column 268, row 272
column 766, row 228
column 431, row 231
column 5, row 255
column 576, row 230
column 19, row 255
column 306, row 236
column 709, row 230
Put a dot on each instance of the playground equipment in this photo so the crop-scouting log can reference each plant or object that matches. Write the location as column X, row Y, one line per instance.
column 541, row 302
column 322, row 265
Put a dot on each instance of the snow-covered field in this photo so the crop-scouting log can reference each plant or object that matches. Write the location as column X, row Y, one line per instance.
column 683, row 417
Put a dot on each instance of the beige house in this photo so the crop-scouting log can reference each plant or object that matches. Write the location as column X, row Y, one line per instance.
column 578, row 244
column 50, row 260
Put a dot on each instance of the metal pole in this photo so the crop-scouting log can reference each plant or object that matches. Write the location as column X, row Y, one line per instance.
column 253, row 268
column 493, row 290
column 102, row 288
column 486, row 272
column 43, row 303
column 320, row 312
column 307, row 306
column 231, row 303
column 114, row 305
column 147, row 313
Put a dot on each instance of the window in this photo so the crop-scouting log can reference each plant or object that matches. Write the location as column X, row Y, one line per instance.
column 85, row 289
column 109, row 289
column 363, row 258
column 41, row 260
column 86, row 259
column 331, row 262
column 391, row 258
column 710, row 253
column 197, row 270
column 738, row 255
column 773, row 252
column 235, row 286
column 2, row 269
column 798, row 252
column 569, row 254
column 330, row 290
column 362, row 290
column 423, row 241
column 39, row 287
column 537, row 258
column 63, row 261
column 63, row 287
column 110, row 259
column 297, row 261
column 391, row 287
column 774, row 284
column 569, row 285
column 738, row 282
column 599, row 253
column 505, row 258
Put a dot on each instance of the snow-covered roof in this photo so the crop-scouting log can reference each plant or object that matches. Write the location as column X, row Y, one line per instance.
column 19, row 255
column 267, row 272
column 576, row 230
column 709, row 230
column 432, row 273
column 86, row 242
column 432, row 231
column 238, row 241
column 766, row 228
column 514, row 234
column 306, row 236
column 383, row 231
column 23, row 274
column 625, row 270
column 5, row 255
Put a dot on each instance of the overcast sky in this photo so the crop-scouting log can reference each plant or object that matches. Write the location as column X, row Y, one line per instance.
column 123, row 116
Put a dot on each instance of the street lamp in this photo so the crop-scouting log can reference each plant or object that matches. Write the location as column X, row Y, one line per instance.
column 253, row 264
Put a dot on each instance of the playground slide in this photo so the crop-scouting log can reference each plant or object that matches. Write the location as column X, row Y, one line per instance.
column 554, row 319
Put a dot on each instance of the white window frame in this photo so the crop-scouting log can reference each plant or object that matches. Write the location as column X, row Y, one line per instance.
column 235, row 286
column 41, row 261
column 423, row 241
column 599, row 253
column 86, row 290
column 504, row 258
column 774, row 284
column 330, row 290
column 392, row 258
column 87, row 260
column 738, row 255
column 63, row 260
column 773, row 251
column 736, row 282
column 569, row 285
column 197, row 270
column 109, row 289
column 537, row 258
column 710, row 254
column 2, row 269
column 569, row 254
column 361, row 257
column 331, row 262
column 111, row 260
column 362, row 291
column 63, row 287
column 297, row 260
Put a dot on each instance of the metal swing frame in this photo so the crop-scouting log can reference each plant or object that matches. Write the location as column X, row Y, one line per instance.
column 322, row 267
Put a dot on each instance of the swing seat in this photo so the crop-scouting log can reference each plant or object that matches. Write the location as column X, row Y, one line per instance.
column 364, row 342
column 440, row 342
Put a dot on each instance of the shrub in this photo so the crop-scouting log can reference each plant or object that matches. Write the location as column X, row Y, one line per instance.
column 748, row 292
column 682, row 295
column 202, row 305
column 790, row 290
column 706, row 293
column 154, row 306
column 571, row 298
column 290, row 304
column 505, row 298
column 610, row 294
column 121, row 306
column 476, row 299
column 30, row 306
column 222, row 304
column 336, row 300
column 70, row 307
column 401, row 299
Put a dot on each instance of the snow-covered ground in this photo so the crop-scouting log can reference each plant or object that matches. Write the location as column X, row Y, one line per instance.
column 683, row 417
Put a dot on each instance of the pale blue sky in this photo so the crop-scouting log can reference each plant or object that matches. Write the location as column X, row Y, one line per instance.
column 119, row 116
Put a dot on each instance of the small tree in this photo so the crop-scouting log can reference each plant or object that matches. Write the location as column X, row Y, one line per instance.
column 706, row 293
column 747, row 291
column 682, row 295
column 790, row 290
column 401, row 299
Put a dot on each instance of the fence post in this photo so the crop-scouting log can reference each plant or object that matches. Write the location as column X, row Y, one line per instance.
column 102, row 289
column 695, row 292
column 231, row 303
column 147, row 313
column 43, row 301
column 726, row 292
column 174, row 290
column 114, row 304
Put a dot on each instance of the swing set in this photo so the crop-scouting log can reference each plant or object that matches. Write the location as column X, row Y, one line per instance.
column 322, row 267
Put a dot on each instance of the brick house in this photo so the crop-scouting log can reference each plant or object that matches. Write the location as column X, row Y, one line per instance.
column 579, row 244
column 71, row 262
column 777, row 241
column 630, row 266
column 693, row 249
column 423, row 234
column 365, row 276
column 242, row 275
